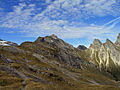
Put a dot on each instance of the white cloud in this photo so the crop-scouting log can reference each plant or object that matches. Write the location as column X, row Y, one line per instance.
column 48, row 1
column 81, row 9
column 101, row 7
column 61, row 11
column 62, row 29
column 19, row 17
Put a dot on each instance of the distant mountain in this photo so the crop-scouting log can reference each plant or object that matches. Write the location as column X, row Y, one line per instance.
column 106, row 55
column 7, row 43
column 49, row 63
column 82, row 47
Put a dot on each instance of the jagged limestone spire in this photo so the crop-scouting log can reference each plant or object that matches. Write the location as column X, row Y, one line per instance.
column 96, row 44
column 108, row 41
column 118, row 40
column 109, row 44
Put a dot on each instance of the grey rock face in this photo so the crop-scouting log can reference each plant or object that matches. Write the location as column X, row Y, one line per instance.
column 54, row 47
column 96, row 44
column 55, row 41
column 65, row 52
column 105, row 55
column 118, row 41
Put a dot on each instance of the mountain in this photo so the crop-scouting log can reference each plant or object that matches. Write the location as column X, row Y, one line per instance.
column 117, row 43
column 106, row 55
column 82, row 47
column 7, row 43
column 49, row 63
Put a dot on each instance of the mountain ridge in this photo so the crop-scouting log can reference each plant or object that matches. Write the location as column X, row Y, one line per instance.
column 7, row 43
column 106, row 56
column 50, row 63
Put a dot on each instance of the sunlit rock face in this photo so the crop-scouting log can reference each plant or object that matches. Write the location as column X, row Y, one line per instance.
column 106, row 55
column 118, row 41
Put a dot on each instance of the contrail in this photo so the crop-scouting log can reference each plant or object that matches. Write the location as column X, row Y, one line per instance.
column 113, row 25
column 112, row 21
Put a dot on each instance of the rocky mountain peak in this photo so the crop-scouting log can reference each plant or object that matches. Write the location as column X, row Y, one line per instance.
column 55, row 41
column 108, row 41
column 54, row 36
column 96, row 44
column 118, row 40
column 118, row 36
column 49, row 39
column 106, row 55
column 109, row 44
column 82, row 47
column 1, row 40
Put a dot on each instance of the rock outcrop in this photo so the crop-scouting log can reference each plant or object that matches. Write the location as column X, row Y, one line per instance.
column 55, row 41
column 117, row 43
column 106, row 55
column 56, row 48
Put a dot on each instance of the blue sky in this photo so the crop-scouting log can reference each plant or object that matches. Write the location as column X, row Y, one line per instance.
column 75, row 21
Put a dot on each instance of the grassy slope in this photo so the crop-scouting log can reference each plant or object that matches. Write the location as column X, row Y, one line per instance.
column 45, row 73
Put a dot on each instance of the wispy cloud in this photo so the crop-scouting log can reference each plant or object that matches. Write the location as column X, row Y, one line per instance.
column 48, row 1
column 1, row 11
column 113, row 21
column 63, row 9
column 61, row 17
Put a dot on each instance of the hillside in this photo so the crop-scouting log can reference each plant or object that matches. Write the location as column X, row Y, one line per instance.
column 49, row 63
